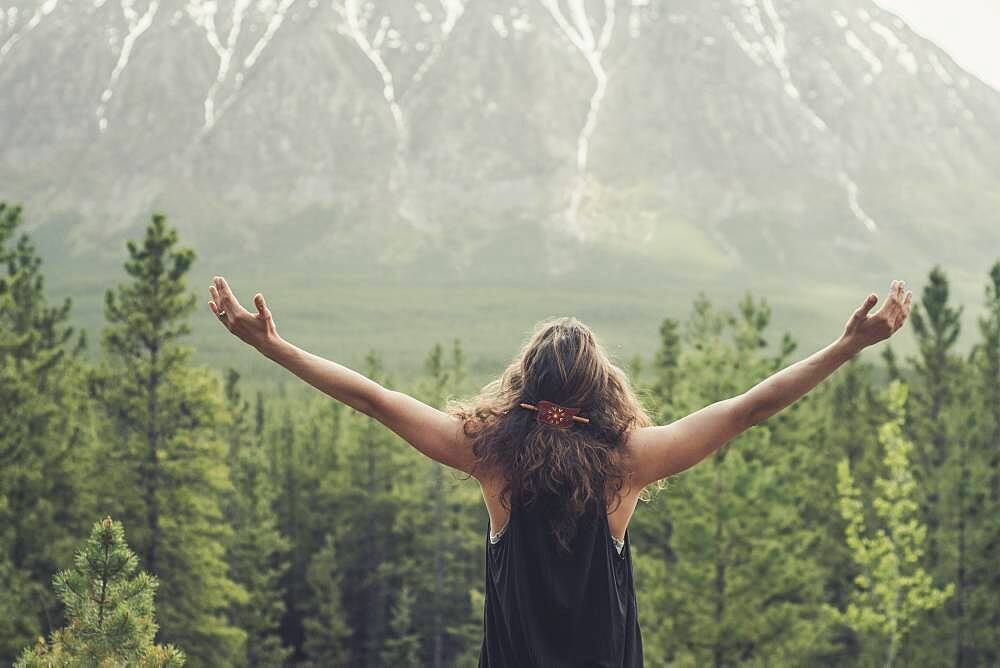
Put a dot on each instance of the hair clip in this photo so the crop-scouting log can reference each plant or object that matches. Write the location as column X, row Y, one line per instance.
column 554, row 414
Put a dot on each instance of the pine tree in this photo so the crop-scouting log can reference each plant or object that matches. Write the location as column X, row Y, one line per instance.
column 363, row 493
column 982, row 488
column 849, row 415
column 44, row 440
column 893, row 589
column 164, row 449
column 374, row 559
column 303, row 446
column 257, row 550
column 109, row 610
column 667, row 359
column 439, row 528
column 291, row 470
column 652, row 529
column 937, row 425
column 402, row 646
column 326, row 628
column 936, row 325
column 744, row 584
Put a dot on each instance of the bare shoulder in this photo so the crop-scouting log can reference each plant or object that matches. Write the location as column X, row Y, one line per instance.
column 659, row 451
column 634, row 449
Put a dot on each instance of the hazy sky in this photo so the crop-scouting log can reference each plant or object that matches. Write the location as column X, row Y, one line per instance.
column 967, row 29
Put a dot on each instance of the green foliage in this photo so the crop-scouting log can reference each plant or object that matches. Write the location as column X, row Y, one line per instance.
column 44, row 439
column 893, row 589
column 981, row 488
column 326, row 627
column 109, row 610
column 401, row 647
column 166, row 460
column 257, row 551
column 298, row 531
column 726, row 561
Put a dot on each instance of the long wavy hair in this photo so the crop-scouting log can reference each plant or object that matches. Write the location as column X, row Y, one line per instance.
column 584, row 464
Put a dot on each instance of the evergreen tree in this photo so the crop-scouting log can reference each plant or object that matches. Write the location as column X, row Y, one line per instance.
column 109, row 610
column 303, row 447
column 891, row 364
column 257, row 550
column 937, row 325
column 667, row 359
column 163, row 445
column 981, row 605
column 401, row 648
column 375, row 469
column 893, row 589
column 744, row 585
column 44, row 438
column 440, row 526
column 364, row 493
column 937, row 425
column 291, row 471
column 326, row 628
column 849, row 414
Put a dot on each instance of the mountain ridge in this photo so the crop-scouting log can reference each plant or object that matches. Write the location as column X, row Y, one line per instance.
column 794, row 135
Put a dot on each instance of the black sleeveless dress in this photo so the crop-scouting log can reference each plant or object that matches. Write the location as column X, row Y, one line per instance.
column 548, row 609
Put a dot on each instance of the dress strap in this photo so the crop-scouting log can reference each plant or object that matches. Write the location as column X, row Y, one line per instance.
column 494, row 537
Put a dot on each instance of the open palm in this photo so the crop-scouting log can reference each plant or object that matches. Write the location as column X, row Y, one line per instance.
column 256, row 329
column 864, row 329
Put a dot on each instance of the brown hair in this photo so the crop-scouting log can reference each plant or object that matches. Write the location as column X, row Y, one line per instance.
column 564, row 363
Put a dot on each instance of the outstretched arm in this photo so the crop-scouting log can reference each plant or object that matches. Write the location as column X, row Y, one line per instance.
column 431, row 431
column 658, row 452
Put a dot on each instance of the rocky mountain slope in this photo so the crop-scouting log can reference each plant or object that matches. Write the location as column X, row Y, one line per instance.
column 690, row 137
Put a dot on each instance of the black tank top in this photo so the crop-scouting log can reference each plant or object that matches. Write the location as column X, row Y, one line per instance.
column 549, row 609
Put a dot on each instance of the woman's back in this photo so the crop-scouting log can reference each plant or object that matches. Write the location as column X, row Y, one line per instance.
column 548, row 607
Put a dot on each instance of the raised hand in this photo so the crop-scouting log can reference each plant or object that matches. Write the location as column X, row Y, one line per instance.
column 256, row 329
column 863, row 330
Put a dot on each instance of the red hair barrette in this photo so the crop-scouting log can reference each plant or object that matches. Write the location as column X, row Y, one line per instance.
column 554, row 414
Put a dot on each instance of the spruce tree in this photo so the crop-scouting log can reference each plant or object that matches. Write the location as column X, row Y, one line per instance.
column 893, row 589
column 164, row 445
column 44, row 440
column 363, row 493
column 257, row 552
column 290, row 470
column 402, row 646
column 981, row 645
column 372, row 560
column 440, row 528
column 303, row 449
column 109, row 610
column 937, row 325
column 849, row 416
column 744, row 584
column 326, row 627
column 937, row 424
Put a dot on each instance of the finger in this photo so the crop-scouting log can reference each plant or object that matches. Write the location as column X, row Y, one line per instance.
column 893, row 289
column 217, row 303
column 866, row 306
column 229, row 301
column 907, row 301
column 258, row 300
column 217, row 310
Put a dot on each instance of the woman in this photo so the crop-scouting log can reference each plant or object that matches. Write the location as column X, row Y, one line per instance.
column 562, row 450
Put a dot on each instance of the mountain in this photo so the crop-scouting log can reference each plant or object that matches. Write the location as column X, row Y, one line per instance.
column 584, row 142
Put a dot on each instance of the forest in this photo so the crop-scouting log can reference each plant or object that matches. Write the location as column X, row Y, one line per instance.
column 858, row 527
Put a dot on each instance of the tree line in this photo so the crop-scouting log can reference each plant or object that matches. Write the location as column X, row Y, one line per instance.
column 857, row 527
